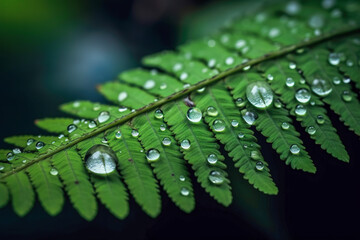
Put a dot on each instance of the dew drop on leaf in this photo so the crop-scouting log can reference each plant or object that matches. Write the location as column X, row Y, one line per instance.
column 218, row 125
column 100, row 159
column 346, row 80
column 211, row 111
column 303, row 95
column 184, row 191
column 211, row 63
column 346, row 96
column 259, row 166
column 10, row 156
column 149, row 84
column 92, row 124
column 61, row 136
column 285, row 125
column 39, row 145
column 300, row 110
column 292, row 65
column 292, row 8
column 54, row 171
column 122, row 96
column 229, row 60
column 290, row 82
column 166, row 141
column 163, row 86
column 216, row 177
column 334, row 59
column 118, row 135
column 185, row 144
column 234, row 123
column 336, row 80
column 270, row 77
column 30, row 141
column 249, row 117
column 16, row 151
column 71, row 128
column 321, row 87
column 152, row 155
column 122, row 109
column 241, row 135
column 349, row 63
column 183, row 76
column 2, row 167
column 194, row 115
column 177, row 67
column 240, row 43
column 182, row 178
column 159, row 114
column 103, row 117
column 239, row 102
column 162, row 127
column 277, row 103
column 212, row 159
column 259, row 94
column 294, row 149
column 255, row 155
column 134, row 133
column 311, row 130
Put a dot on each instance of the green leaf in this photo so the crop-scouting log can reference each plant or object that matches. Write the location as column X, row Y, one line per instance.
column 4, row 195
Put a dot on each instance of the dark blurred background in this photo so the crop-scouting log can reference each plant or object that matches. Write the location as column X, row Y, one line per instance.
column 53, row 52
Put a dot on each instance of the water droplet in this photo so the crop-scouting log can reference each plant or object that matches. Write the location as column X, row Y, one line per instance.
column 248, row 116
column 118, row 135
column 200, row 90
column 96, row 107
column 302, row 81
column 259, row 94
column 346, row 80
column 163, row 86
column 241, row 135
column 311, row 130
column 177, row 67
column 10, row 156
column 255, row 155
column 183, row 76
column 211, row 111
column 194, row 115
column 211, row 43
column 216, row 177
column 303, row 95
column 24, row 161
column 277, row 103
column 54, row 171
column 334, row 59
column 349, row 63
column 336, row 80
column 328, row 3
column 259, row 166
column 229, row 60
column 76, row 121
column 346, row 96
column 239, row 102
column 159, row 114
column 285, row 125
column 122, row 109
column 212, row 159
column 240, row 43
column 92, row 124
column 39, row 145
column 294, row 149
column 149, row 84
column 71, row 128
column 166, row 141
column 211, row 63
column 186, row 85
column 270, row 77
column 320, row 119
column 61, row 136
column 218, row 125
column 185, row 144
column 234, row 123
column 300, row 110
column 30, row 141
column 316, row 21
column 321, row 87
column 182, row 178
column 152, row 155
column 162, row 127
column 76, row 104
column 122, row 96
column 274, row 32
column 292, row 65
column 134, row 133
column 103, row 117
column 100, row 159
column 16, row 151
column 184, row 191
column 2, row 167
column 292, row 8
column 290, row 82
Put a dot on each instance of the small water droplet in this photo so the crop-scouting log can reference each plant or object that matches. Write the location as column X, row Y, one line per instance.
column 346, row 80
column 152, row 155
column 241, row 135
column 300, row 110
column 194, row 115
column 239, row 102
column 24, row 161
column 211, row 43
column 294, row 149
column 39, row 145
column 255, row 155
column 212, row 159
column 149, row 84
column 182, row 178
column 166, row 141
column 316, row 21
column 30, row 141
column 248, row 116
column 61, row 136
column 303, row 95
column 234, row 123
column 328, row 3
column 2, row 167
column 163, row 86
column 292, row 65
column 334, row 59
column 122, row 96
column 10, row 156
column 292, row 8
column 321, row 87
column 285, row 125
column 229, row 60
column 302, row 81
column 184, row 191
column 259, row 166
column 100, row 159
column 346, row 96
column 177, row 67
column 96, row 107
column 159, row 114
column 76, row 121
column 290, row 82
column 54, row 171
column 218, row 125
column 183, row 76
column 274, row 32
column 320, row 119
column 122, row 109
column 259, row 94
column 270, row 77
column 92, row 124
column 16, row 151
column 277, row 103
column 349, row 63
column 185, row 144
column 134, row 133
column 76, row 104
column 336, row 80
column 311, row 130
column 211, row 63
column 240, row 43
column 118, row 135
column 200, row 90
column 211, row 111
column 216, row 177
column 162, row 127
column 103, row 117
column 71, row 128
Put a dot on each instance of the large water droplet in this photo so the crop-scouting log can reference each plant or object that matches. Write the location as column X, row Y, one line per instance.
column 320, row 119
column 311, row 130
column 152, row 155
column 216, row 177
column 346, row 96
column 100, row 159
column 184, row 191
column 259, row 166
column 103, row 117
column 248, row 116
column 71, row 128
column 303, row 95
column 54, row 171
column 185, row 144
column 212, row 159
column 134, row 133
column 211, row 111
column 166, row 141
column 218, row 125
column 159, row 114
column 194, row 115
column 10, row 156
column 259, row 94
column 30, row 141
column 294, row 149
column 321, row 87
column 39, row 145
column 334, row 59
column 300, row 110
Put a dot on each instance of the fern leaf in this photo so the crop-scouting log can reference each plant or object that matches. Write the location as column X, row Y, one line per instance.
column 4, row 195
column 54, row 125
